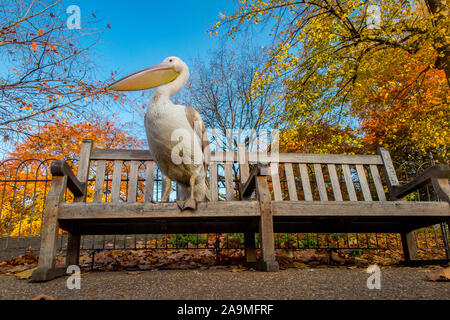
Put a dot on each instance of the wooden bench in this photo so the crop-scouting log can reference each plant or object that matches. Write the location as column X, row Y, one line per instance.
column 325, row 193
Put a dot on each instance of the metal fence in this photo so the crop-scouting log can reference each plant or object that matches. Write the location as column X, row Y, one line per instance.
column 25, row 183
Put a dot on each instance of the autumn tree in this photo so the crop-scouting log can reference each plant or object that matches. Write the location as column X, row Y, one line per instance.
column 220, row 89
column 46, row 70
column 23, row 197
column 326, row 50
column 406, row 111
column 62, row 139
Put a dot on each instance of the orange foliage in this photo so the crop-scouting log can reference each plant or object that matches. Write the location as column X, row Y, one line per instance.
column 407, row 110
column 23, row 201
column 62, row 139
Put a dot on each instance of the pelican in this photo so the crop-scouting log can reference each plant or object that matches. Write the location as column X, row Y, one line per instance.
column 176, row 134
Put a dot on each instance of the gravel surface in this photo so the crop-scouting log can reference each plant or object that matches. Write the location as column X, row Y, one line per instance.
column 326, row 283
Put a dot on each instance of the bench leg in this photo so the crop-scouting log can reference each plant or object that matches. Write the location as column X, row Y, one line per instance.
column 73, row 250
column 46, row 269
column 250, row 247
column 409, row 246
column 446, row 239
column 268, row 261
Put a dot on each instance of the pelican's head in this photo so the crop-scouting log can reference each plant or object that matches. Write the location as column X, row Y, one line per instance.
column 152, row 77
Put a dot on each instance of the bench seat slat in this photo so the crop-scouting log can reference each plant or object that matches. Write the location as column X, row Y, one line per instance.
column 125, row 210
column 229, row 184
column 335, row 182
column 305, row 182
column 80, row 210
column 213, row 184
column 377, row 182
column 320, row 182
column 99, row 181
column 363, row 183
column 359, row 208
column 274, row 167
column 349, row 182
column 290, row 182
column 149, row 180
column 116, row 180
column 132, row 181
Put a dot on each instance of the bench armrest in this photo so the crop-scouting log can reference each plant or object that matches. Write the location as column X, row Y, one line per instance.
column 247, row 188
column 62, row 168
column 438, row 175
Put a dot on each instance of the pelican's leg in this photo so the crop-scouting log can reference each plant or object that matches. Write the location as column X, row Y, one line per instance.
column 167, row 189
column 191, row 203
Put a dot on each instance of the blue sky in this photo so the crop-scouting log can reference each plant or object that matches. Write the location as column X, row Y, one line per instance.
column 143, row 33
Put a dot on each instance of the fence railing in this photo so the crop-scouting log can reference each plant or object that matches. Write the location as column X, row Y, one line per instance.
column 24, row 185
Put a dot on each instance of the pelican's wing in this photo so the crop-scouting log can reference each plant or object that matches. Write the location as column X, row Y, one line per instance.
column 197, row 124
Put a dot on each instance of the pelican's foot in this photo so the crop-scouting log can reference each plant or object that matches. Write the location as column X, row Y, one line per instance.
column 189, row 204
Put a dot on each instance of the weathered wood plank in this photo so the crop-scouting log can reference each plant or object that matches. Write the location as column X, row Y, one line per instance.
column 363, row 183
column 274, row 172
column 442, row 189
column 213, row 183
column 145, row 155
column 244, row 172
column 249, row 186
column 137, row 155
column 149, row 181
column 73, row 241
column 132, row 181
column 229, row 183
column 266, row 225
column 389, row 171
column 156, row 210
column 409, row 246
column 61, row 168
column 320, row 182
column 349, row 183
column 359, row 208
column 49, row 236
column 439, row 171
column 377, row 181
column 291, row 182
column 335, row 182
column 305, row 182
column 244, row 169
column 116, row 181
column 299, row 158
column 99, row 181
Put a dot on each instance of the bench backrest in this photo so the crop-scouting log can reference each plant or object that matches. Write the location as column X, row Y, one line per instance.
column 131, row 175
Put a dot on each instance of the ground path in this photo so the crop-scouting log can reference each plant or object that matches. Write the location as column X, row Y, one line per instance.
column 307, row 283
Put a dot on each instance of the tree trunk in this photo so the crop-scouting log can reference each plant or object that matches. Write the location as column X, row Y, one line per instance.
column 440, row 8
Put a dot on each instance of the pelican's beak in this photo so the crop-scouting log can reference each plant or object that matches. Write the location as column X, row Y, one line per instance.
column 145, row 79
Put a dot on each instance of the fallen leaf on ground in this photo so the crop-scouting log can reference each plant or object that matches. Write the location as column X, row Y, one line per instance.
column 442, row 275
column 300, row 265
column 25, row 274
column 43, row 297
column 121, row 294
